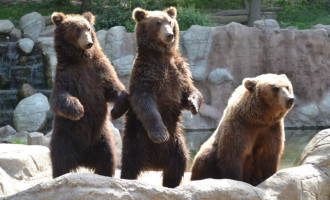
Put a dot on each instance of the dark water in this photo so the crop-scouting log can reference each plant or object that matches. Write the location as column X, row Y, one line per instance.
column 17, row 68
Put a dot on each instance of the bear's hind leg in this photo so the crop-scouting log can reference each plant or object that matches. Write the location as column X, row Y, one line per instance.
column 63, row 156
column 132, row 158
column 178, row 159
column 101, row 156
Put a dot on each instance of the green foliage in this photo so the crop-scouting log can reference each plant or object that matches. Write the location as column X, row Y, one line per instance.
column 15, row 11
column 17, row 141
column 303, row 14
column 191, row 16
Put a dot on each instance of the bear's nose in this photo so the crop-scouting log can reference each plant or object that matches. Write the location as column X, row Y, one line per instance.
column 89, row 45
column 290, row 102
column 169, row 36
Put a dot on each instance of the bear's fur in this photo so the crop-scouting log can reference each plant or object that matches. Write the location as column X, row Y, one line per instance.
column 160, row 87
column 84, row 82
column 248, row 143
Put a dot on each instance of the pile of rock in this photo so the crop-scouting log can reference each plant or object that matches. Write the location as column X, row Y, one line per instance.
column 23, row 167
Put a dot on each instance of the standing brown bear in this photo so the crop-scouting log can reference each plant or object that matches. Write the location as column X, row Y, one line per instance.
column 84, row 82
column 160, row 87
column 249, row 141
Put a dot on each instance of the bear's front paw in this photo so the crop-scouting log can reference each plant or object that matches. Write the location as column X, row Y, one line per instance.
column 159, row 135
column 121, row 106
column 76, row 112
column 195, row 101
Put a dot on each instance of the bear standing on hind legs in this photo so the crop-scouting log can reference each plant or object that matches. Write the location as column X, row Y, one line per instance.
column 249, row 141
column 84, row 82
column 160, row 87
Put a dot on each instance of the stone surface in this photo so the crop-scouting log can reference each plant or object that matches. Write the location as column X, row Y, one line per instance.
column 9, row 134
column 119, row 43
column 310, row 180
column 219, row 76
column 101, row 37
column 36, row 138
column 48, row 31
column 323, row 27
column 26, row 45
column 31, row 113
column 22, row 166
column 267, row 24
column 123, row 65
column 32, row 24
column 6, row 26
column 46, row 46
column 26, row 90
column 15, row 34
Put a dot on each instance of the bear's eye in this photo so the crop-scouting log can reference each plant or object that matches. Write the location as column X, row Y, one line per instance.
column 89, row 29
column 158, row 23
column 287, row 87
column 275, row 89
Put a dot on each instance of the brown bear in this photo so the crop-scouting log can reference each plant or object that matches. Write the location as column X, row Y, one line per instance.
column 249, row 141
column 160, row 87
column 84, row 82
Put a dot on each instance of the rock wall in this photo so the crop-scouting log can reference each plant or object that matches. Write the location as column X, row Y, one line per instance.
column 220, row 58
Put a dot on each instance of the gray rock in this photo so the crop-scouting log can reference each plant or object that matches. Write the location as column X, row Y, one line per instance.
column 325, row 103
column 15, row 33
column 26, row 45
column 219, row 76
column 8, row 187
column 309, row 112
column 31, row 113
column 23, row 161
column 267, row 24
column 32, row 24
column 36, row 138
column 26, row 90
column 46, row 45
column 123, row 65
column 114, row 42
column 6, row 132
column 101, row 37
column 6, row 26
column 199, row 70
column 48, row 20
column 323, row 27
column 48, row 31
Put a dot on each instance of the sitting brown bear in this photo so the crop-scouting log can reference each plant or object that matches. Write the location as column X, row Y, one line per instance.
column 249, row 141
column 160, row 87
column 84, row 82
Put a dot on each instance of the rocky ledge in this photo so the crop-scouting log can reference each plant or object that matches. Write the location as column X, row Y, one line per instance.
column 309, row 180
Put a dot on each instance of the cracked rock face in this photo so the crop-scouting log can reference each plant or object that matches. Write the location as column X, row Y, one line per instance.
column 310, row 180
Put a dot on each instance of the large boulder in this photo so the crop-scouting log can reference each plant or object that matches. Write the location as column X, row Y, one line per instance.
column 32, row 24
column 310, row 180
column 31, row 113
column 22, row 166
column 6, row 26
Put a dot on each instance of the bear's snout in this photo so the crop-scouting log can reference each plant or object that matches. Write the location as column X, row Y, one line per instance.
column 169, row 36
column 89, row 45
column 290, row 102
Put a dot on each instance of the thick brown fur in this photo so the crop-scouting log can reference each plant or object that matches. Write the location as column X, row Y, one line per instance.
column 84, row 82
column 160, row 87
column 248, row 143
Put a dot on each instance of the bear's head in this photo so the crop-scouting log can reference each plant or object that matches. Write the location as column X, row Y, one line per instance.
column 76, row 30
column 156, row 29
column 275, row 91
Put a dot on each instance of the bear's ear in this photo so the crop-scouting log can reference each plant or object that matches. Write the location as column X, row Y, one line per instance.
column 171, row 11
column 57, row 18
column 90, row 17
column 139, row 14
column 283, row 76
column 250, row 84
